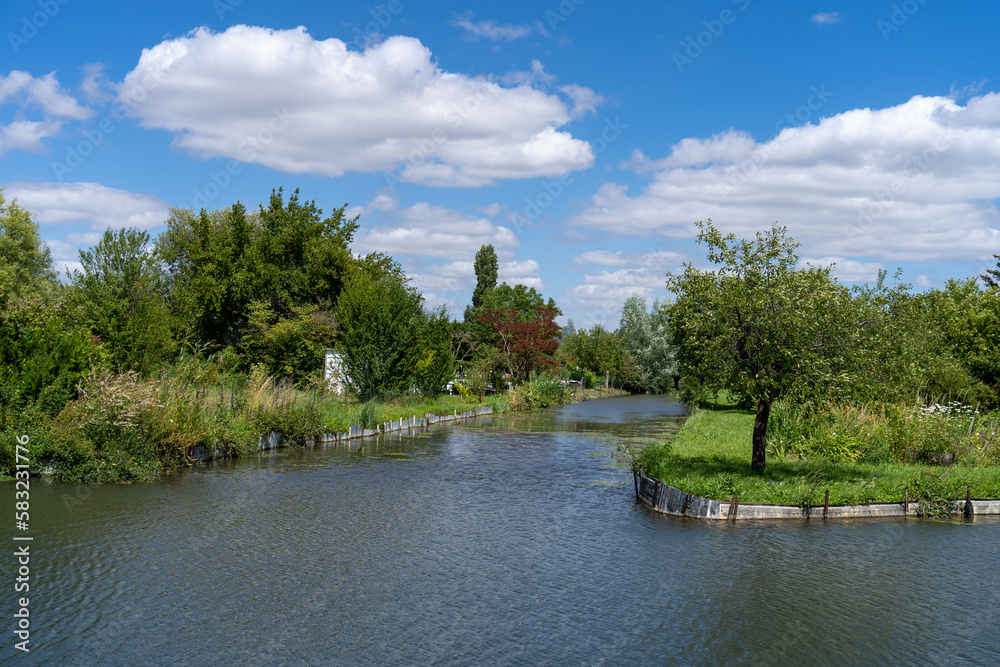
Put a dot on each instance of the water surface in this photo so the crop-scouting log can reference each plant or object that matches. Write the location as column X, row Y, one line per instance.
column 514, row 540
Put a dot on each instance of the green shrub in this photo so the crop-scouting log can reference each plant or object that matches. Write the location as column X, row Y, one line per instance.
column 499, row 403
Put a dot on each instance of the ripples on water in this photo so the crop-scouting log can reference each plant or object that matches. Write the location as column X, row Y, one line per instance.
column 512, row 541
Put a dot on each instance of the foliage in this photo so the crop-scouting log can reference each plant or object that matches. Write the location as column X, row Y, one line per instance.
column 519, row 323
column 538, row 393
column 646, row 337
column 43, row 355
column 500, row 404
column 290, row 347
column 299, row 257
column 111, row 432
column 969, row 322
column 207, row 272
column 44, row 350
column 882, row 433
column 263, row 283
column 379, row 316
column 486, row 274
column 896, row 350
column 432, row 361
column 483, row 370
column 992, row 276
column 526, row 339
column 464, row 343
column 122, row 296
column 599, row 352
column 25, row 262
column 757, row 326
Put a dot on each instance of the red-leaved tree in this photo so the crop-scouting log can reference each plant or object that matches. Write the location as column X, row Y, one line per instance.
column 527, row 338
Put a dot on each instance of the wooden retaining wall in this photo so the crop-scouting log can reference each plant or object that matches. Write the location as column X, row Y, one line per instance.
column 274, row 440
column 666, row 499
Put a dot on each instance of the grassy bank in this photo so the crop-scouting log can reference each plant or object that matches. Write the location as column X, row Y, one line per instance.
column 123, row 428
column 710, row 457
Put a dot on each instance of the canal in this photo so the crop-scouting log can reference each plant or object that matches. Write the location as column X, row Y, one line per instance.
column 513, row 540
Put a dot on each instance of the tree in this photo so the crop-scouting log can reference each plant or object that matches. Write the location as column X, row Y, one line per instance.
column 758, row 322
column 486, row 274
column 520, row 323
column 290, row 347
column 122, row 293
column 599, row 351
column 25, row 262
column 968, row 320
column 44, row 349
column 208, row 277
column 286, row 255
column 433, row 363
column 527, row 338
column 379, row 316
column 646, row 336
column 44, row 353
column 992, row 276
column 299, row 257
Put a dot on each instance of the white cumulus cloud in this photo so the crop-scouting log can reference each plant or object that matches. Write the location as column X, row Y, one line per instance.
column 425, row 230
column 80, row 212
column 913, row 182
column 282, row 99
column 32, row 94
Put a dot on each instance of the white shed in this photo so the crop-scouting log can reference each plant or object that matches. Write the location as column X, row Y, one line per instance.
column 333, row 371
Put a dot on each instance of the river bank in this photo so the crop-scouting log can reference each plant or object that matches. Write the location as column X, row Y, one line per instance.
column 710, row 458
column 124, row 429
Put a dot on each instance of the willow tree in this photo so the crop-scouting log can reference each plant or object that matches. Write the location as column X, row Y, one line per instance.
column 646, row 336
column 757, row 323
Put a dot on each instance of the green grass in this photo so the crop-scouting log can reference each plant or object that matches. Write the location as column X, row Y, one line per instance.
column 337, row 415
column 710, row 457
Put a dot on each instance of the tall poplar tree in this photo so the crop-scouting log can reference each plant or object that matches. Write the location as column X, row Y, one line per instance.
column 486, row 274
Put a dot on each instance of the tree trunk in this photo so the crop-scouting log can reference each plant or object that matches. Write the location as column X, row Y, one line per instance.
column 760, row 436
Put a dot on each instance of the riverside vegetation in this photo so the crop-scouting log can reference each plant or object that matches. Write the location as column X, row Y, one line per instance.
column 124, row 428
column 830, row 387
column 213, row 334
column 872, row 453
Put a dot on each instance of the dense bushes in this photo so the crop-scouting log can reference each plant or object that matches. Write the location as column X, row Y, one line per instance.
column 538, row 393
column 883, row 432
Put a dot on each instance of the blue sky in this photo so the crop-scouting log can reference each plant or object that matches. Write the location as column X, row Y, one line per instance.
column 581, row 138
